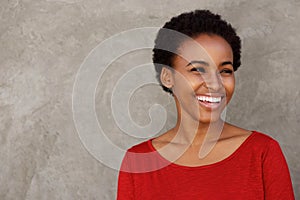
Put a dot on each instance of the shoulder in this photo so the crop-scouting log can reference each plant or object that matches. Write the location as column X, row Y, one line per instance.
column 262, row 138
column 256, row 137
column 264, row 143
column 141, row 158
column 142, row 147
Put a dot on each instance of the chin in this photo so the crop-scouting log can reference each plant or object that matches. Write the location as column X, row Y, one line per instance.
column 208, row 121
column 209, row 118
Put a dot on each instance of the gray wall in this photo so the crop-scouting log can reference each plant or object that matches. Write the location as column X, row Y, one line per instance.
column 43, row 44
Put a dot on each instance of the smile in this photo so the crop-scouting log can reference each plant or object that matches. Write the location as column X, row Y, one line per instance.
column 209, row 99
column 209, row 102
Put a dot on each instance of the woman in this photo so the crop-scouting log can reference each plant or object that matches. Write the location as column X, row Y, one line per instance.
column 202, row 157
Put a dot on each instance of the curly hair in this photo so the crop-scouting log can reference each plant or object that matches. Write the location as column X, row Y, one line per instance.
column 193, row 24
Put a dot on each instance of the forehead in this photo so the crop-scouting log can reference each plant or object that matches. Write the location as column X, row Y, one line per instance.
column 206, row 47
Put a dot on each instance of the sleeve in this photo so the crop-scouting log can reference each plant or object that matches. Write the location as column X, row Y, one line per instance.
column 125, row 181
column 276, row 176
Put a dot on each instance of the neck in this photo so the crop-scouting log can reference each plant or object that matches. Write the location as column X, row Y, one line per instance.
column 191, row 132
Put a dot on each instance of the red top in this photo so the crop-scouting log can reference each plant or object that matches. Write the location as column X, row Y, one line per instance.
column 256, row 170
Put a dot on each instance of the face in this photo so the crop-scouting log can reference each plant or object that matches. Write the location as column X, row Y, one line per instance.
column 203, row 78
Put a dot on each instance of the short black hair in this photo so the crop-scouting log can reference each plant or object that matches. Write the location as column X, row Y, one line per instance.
column 193, row 24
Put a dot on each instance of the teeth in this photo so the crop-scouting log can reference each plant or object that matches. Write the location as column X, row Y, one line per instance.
column 209, row 99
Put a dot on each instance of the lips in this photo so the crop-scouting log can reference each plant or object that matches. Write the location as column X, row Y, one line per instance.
column 209, row 99
column 212, row 101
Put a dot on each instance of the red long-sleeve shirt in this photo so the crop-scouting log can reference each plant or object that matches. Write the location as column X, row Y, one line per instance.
column 256, row 170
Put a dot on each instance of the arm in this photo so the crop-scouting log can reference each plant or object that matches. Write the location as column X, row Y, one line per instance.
column 276, row 176
column 125, row 182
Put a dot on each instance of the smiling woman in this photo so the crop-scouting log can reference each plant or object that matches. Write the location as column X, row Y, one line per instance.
column 208, row 76
column 203, row 157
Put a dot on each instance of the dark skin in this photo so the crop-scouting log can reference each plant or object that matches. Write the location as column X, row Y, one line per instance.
column 205, row 72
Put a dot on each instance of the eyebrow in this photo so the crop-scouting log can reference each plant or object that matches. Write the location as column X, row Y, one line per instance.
column 197, row 62
column 206, row 63
column 227, row 63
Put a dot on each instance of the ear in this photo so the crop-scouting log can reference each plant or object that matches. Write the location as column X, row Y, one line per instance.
column 166, row 77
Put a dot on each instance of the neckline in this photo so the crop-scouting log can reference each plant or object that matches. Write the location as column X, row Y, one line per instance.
column 221, row 162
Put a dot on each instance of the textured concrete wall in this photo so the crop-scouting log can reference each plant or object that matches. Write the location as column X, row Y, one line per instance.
column 44, row 42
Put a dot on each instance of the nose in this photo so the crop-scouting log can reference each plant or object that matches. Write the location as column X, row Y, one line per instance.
column 213, row 81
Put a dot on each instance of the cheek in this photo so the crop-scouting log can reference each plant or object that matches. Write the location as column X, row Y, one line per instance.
column 229, row 85
column 185, row 82
column 195, row 82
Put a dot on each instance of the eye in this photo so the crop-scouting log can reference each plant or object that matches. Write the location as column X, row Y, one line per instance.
column 198, row 69
column 226, row 71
